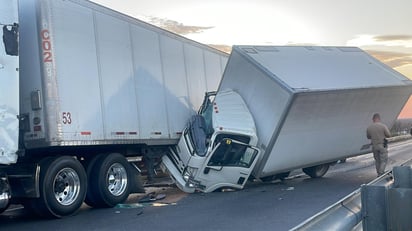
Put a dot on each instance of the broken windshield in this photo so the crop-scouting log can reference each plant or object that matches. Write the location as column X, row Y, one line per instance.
column 201, row 126
column 207, row 116
column 197, row 131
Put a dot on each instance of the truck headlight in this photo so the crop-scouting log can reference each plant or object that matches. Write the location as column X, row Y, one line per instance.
column 189, row 173
column 189, row 176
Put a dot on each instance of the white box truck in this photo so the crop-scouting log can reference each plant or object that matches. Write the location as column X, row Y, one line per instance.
column 284, row 108
column 84, row 92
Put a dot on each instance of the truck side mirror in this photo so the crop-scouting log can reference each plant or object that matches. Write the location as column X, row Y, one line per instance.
column 10, row 39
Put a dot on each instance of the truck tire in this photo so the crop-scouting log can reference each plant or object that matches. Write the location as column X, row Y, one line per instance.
column 4, row 192
column 280, row 176
column 89, row 165
column 5, row 208
column 63, row 186
column 111, row 182
column 267, row 178
column 316, row 171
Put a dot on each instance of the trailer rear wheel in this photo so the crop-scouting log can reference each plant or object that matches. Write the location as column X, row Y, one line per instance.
column 316, row 171
column 89, row 165
column 63, row 184
column 112, row 183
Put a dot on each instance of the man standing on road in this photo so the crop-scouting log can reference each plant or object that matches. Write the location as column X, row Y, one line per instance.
column 377, row 132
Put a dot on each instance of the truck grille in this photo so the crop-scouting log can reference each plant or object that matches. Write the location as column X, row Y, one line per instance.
column 176, row 160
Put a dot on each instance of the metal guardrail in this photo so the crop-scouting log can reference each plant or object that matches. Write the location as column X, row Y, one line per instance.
column 388, row 208
column 345, row 214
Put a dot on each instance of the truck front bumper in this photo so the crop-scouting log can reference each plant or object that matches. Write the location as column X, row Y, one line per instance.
column 177, row 177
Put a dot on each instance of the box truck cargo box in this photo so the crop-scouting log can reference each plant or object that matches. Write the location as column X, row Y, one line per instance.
column 311, row 107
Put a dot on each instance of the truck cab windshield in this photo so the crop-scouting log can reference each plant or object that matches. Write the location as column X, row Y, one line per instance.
column 207, row 111
column 201, row 127
column 197, row 134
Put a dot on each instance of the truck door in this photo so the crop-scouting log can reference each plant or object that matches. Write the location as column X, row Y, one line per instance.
column 229, row 165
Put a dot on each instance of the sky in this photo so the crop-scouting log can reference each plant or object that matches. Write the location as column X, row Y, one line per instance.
column 383, row 28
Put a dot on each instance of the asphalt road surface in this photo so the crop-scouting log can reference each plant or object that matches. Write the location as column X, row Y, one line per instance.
column 260, row 206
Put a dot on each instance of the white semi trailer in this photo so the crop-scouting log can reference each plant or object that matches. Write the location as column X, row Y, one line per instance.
column 284, row 108
column 83, row 91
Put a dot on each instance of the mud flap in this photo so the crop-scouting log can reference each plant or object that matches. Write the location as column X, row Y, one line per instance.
column 137, row 182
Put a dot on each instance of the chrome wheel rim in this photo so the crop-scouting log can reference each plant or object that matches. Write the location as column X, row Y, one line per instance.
column 117, row 179
column 66, row 186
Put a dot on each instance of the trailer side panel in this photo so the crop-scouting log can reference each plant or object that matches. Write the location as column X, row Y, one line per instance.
column 107, row 78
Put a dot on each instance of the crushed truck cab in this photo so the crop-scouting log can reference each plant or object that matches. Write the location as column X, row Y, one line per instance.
column 217, row 148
